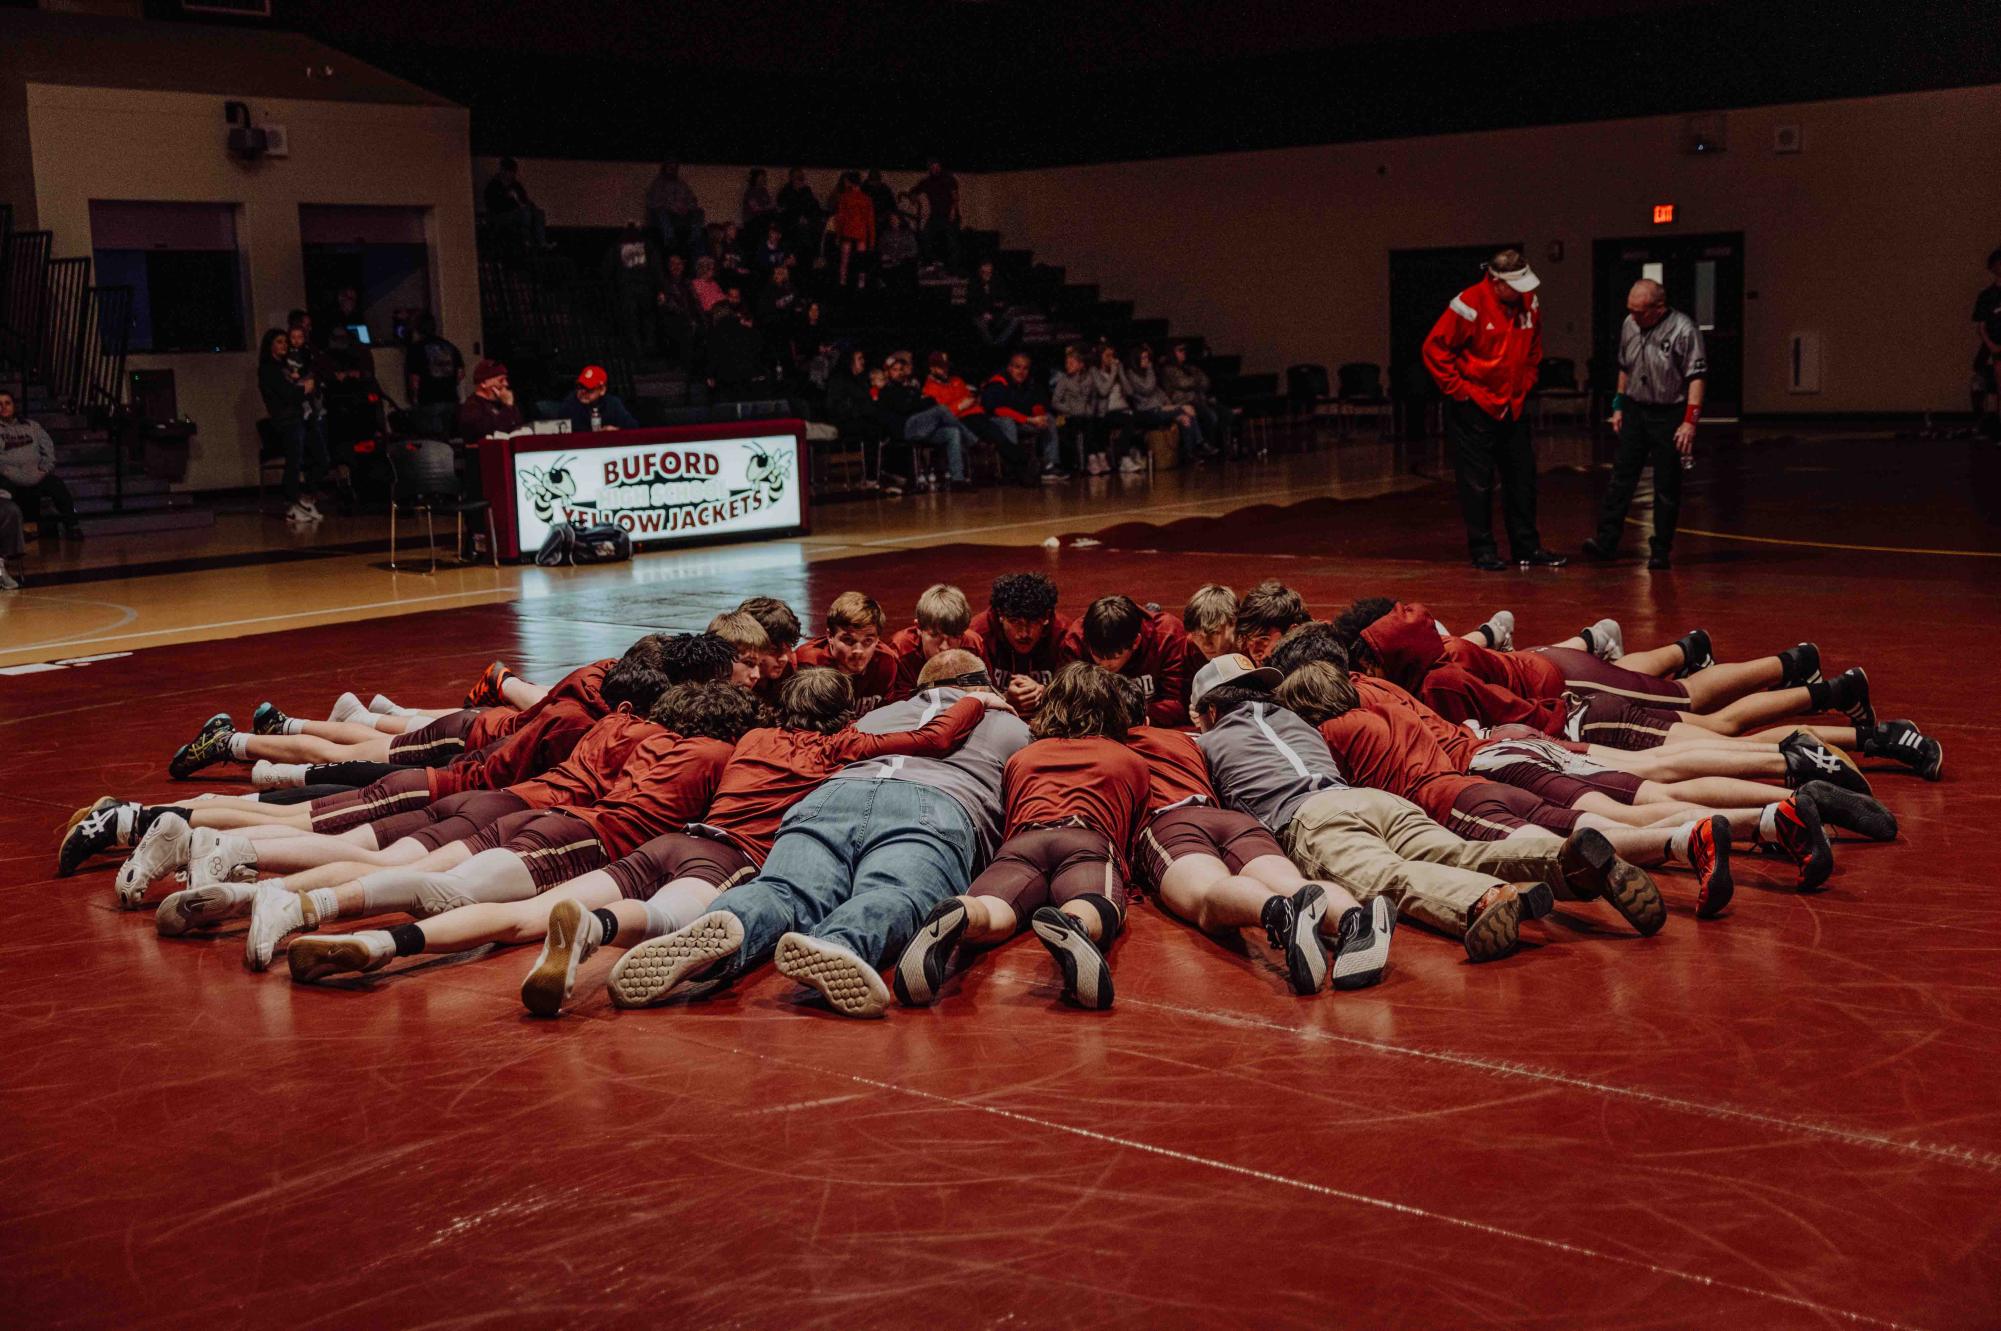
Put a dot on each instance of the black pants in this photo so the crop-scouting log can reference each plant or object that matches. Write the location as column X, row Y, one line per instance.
column 11, row 544
column 1482, row 446
column 51, row 491
column 1646, row 439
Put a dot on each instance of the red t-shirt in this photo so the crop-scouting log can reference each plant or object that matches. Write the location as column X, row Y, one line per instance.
column 872, row 686
column 908, row 646
column 1098, row 782
column 544, row 738
column 593, row 766
column 773, row 769
column 1526, row 673
column 1458, row 696
column 584, row 685
column 1379, row 695
column 1004, row 662
column 667, row 784
column 1175, row 768
column 1394, row 753
column 1159, row 662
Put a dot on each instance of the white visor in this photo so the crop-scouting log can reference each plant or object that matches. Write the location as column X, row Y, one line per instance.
column 1521, row 279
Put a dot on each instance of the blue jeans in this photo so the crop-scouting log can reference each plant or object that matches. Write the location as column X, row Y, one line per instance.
column 937, row 425
column 859, row 863
column 1043, row 441
column 305, row 444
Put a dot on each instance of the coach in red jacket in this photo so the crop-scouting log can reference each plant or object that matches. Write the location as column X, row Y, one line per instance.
column 1484, row 352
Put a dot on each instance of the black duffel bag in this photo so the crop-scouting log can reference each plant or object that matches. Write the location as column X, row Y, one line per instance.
column 577, row 542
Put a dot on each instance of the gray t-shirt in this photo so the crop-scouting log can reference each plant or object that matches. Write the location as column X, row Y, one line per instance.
column 971, row 774
column 1266, row 762
column 1659, row 361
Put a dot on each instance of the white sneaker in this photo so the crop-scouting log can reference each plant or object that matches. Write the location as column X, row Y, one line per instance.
column 162, row 850
column 1609, row 638
column 1501, row 624
column 1131, row 464
column 276, row 910
column 222, row 863
column 348, row 708
column 573, row 935
column 311, row 508
column 299, row 515
column 317, row 956
column 202, row 907
column 382, row 706
column 657, row 967
column 851, row 986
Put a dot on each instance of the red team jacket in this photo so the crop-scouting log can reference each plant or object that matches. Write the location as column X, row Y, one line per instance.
column 545, row 737
column 1004, row 662
column 593, row 765
column 1413, row 657
column 1483, row 352
column 1393, row 752
column 584, row 685
column 872, row 687
column 1098, row 782
column 667, row 784
column 1159, row 662
column 909, row 649
column 1175, row 768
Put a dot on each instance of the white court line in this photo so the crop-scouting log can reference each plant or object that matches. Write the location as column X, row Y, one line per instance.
column 1956, row 1155
column 1358, row 1198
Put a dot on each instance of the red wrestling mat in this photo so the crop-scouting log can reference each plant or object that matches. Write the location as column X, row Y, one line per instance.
column 1782, row 1118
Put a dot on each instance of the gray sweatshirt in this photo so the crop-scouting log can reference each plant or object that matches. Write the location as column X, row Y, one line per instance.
column 26, row 452
column 1266, row 761
column 971, row 774
column 1073, row 395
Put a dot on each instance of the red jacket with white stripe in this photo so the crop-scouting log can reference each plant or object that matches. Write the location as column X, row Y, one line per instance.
column 1484, row 352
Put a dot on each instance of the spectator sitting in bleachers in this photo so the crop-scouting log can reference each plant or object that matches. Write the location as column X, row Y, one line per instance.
column 850, row 399
column 285, row 393
column 592, row 405
column 634, row 272
column 490, row 410
column 954, row 394
column 1152, row 410
column 706, row 290
column 511, row 214
column 680, row 312
column 1073, row 394
column 1187, row 384
column 854, row 229
column 771, row 251
column 778, row 305
column 897, row 255
column 1019, row 410
column 675, row 212
column 12, row 543
column 28, row 468
column 1108, row 385
column 738, row 362
column 917, row 420
column 758, row 207
column 432, row 368
column 732, row 269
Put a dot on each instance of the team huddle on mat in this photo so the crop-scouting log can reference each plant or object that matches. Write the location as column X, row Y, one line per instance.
column 875, row 813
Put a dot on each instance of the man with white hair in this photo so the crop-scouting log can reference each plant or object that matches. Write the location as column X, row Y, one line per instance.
column 1662, row 369
column 1485, row 352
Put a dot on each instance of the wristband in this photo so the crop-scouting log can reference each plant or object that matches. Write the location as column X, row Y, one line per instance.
column 1618, row 401
column 1691, row 414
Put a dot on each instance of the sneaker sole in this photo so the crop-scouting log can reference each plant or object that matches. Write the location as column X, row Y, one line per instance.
column 1305, row 958
column 913, row 984
column 193, row 908
column 1086, row 981
column 1366, row 966
column 554, row 976
column 1629, row 888
column 312, row 959
column 136, row 875
column 1721, row 886
column 1815, row 872
column 645, row 975
column 1851, row 812
column 1495, row 932
column 844, row 980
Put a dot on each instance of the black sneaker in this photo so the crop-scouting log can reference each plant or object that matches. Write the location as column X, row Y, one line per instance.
column 1601, row 551
column 268, row 720
column 1807, row 759
column 1496, row 931
column 1292, row 925
column 1541, row 558
column 1696, row 653
column 1362, row 953
column 1849, row 811
column 1799, row 666
column 1848, row 693
column 1591, row 868
column 920, row 971
column 1659, row 563
column 209, row 746
column 97, row 831
column 1087, row 981
column 1905, row 743
column 1489, row 563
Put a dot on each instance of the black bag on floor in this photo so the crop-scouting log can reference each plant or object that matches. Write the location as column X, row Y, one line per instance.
column 580, row 543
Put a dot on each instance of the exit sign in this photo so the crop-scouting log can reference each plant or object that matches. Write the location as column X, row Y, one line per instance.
column 1663, row 214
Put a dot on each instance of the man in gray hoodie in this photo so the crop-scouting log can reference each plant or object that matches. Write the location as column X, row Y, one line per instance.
column 28, row 465
column 857, row 865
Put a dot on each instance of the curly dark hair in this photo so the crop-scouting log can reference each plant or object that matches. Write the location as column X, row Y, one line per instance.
column 649, row 651
column 818, row 698
column 696, row 658
column 1028, row 596
column 1085, row 701
column 1350, row 623
column 1308, row 642
column 713, row 708
column 630, row 681
column 780, row 624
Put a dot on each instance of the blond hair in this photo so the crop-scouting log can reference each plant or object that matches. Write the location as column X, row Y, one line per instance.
column 943, row 609
column 1211, row 609
column 854, row 610
column 742, row 632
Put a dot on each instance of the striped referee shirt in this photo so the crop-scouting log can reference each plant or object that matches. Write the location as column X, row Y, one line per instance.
column 1659, row 361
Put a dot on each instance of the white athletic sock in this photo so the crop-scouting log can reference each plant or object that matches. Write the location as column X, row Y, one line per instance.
column 293, row 726
column 382, row 706
column 321, row 905
column 239, row 746
column 677, row 905
column 1768, row 825
column 1677, row 845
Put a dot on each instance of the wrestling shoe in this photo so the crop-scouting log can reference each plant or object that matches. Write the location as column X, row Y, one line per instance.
column 1799, row 666
column 202, row 907
column 485, row 691
column 1849, row 811
column 1292, row 926
column 1592, row 869
column 382, row 706
column 316, row 956
column 1807, row 759
column 704, row 951
column 163, row 849
column 1496, row 931
column 574, row 933
column 850, row 985
column 1541, row 558
column 1500, row 627
column 106, row 825
column 209, row 747
column 1709, row 856
column 1362, row 950
column 348, row 708
column 268, row 720
column 1087, row 981
column 1848, row 693
column 920, row 971
column 1801, row 839
column 1696, row 653
column 275, row 910
column 1608, row 640
column 219, row 858
column 1905, row 743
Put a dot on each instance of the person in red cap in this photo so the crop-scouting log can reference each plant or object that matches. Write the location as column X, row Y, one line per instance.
column 490, row 410
column 592, row 406
column 1485, row 351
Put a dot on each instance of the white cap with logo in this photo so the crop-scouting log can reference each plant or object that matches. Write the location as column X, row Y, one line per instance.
column 1231, row 668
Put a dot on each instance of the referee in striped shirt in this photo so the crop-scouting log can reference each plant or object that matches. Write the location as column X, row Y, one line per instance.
column 1659, row 400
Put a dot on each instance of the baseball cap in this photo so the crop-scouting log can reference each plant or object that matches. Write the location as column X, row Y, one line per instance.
column 1521, row 279
column 488, row 369
column 1231, row 668
column 592, row 376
